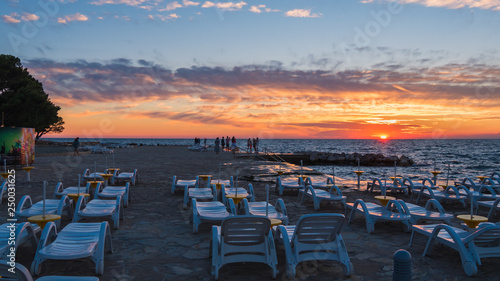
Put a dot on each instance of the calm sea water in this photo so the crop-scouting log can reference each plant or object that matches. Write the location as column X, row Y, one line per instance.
column 466, row 158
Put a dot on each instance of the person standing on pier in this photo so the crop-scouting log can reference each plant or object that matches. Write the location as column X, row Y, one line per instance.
column 216, row 148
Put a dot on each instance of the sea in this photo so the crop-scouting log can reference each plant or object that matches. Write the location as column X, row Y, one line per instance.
column 455, row 158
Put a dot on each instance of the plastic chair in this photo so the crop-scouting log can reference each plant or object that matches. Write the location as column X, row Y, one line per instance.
column 60, row 191
column 315, row 237
column 243, row 239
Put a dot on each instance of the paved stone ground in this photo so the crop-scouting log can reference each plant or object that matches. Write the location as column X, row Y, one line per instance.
column 155, row 239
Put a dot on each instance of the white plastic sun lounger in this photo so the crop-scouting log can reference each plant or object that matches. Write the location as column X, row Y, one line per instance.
column 213, row 212
column 112, row 192
column 282, row 185
column 98, row 208
column 451, row 193
column 259, row 209
column 75, row 241
column 21, row 273
column 26, row 208
column 60, row 191
column 230, row 191
column 318, row 195
column 243, row 239
column 130, row 177
column 320, row 184
column 419, row 213
column 23, row 232
column 199, row 193
column 493, row 205
column 374, row 213
column 315, row 237
column 394, row 186
column 484, row 242
column 181, row 184
column 3, row 190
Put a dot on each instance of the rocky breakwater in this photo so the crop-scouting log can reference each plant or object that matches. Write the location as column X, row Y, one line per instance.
column 346, row 159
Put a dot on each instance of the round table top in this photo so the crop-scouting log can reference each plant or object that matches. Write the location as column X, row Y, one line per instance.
column 275, row 222
column 113, row 169
column 79, row 194
column 384, row 199
column 96, row 181
column 233, row 196
column 106, row 176
column 5, row 175
column 27, row 169
column 472, row 221
column 359, row 172
column 481, row 177
column 204, row 177
column 436, row 172
column 41, row 218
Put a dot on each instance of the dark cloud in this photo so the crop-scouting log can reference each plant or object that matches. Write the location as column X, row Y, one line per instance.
column 122, row 79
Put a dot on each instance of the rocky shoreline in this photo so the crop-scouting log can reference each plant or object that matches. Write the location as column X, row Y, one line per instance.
column 341, row 159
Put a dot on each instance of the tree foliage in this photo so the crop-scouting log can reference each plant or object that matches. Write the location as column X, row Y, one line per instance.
column 23, row 100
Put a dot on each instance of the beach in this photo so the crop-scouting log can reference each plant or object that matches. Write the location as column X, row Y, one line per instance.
column 155, row 239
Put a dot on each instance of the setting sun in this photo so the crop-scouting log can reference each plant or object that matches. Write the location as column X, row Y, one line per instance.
column 383, row 137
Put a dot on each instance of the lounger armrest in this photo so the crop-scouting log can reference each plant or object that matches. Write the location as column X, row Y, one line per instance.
column 173, row 185
column 428, row 181
column 86, row 173
column 337, row 190
column 404, row 207
column 232, row 208
column 394, row 205
column 25, row 227
column 48, row 234
column 281, row 207
column 215, row 246
column 313, row 192
column 59, row 189
column 24, row 203
column 485, row 187
column 433, row 204
column 246, row 207
column 250, row 192
column 104, row 239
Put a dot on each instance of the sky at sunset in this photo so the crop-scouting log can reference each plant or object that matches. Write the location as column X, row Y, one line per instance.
column 272, row 69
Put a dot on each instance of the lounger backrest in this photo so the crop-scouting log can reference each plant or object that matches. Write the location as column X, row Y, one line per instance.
column 490, row 237
column 318, row 228
column 245, row 230
column 20, row 273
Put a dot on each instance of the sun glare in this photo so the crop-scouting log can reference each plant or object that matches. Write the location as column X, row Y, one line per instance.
column 383, row 137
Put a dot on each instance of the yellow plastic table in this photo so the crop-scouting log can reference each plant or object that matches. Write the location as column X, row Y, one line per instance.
column 394, row 177
column 5, row 175
column 280, row 173
column 112, row 170
column 93, row 184
column 435, row 173
column 481, row 178
column 75, row 196
column 275, row 222
column 27, row 169
column 42, row 220
column 384, row 199
column 218, row 186
column 204, row 177
column 359, row 173
column 106, row 177
column 303, row 177
column 236, row 199
column 472, row 222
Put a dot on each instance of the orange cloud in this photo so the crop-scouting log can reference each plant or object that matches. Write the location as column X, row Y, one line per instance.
column 70, row 18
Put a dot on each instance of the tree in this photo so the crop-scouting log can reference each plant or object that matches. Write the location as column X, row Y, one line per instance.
column 23, row 100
